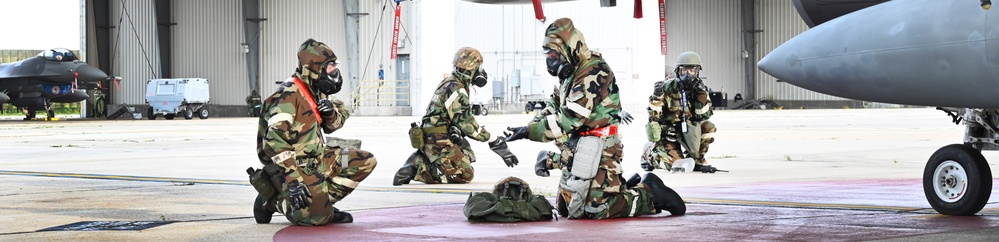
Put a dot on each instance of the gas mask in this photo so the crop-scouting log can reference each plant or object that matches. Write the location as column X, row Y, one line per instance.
column 558, row 67
column 685, row 74
column 480, row 78
column 329, row 83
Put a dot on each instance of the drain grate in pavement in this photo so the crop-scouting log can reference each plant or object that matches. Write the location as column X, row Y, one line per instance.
column 107, row 225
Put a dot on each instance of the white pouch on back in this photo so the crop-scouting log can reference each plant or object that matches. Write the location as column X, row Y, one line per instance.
column 586, row 159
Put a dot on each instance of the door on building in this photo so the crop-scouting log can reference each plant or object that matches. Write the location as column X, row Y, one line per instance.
column 402, row 76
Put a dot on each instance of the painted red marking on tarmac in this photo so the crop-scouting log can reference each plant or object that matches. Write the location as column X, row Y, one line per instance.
column 703, row 222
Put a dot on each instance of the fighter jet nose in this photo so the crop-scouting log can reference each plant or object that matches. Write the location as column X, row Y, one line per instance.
column 783, row 62
column 89, row 73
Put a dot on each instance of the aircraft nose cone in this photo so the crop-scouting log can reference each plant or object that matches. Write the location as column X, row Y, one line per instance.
column 783, row 63
column 4, row 98
column 90, row 74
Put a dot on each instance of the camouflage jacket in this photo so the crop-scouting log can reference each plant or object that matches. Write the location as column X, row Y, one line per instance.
column 587, row 100
column 450, row 107
column 666, row 103
column 289, row 128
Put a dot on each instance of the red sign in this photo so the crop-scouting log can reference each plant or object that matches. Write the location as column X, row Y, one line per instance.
column 395, row 34
column 662, row 25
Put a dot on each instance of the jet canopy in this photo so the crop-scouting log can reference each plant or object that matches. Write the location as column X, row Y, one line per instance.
column 58, row 54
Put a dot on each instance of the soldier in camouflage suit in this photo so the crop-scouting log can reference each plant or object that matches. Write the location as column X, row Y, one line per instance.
column 446, row 155
column 667, row 113
column 311, row 176
column 586, row 103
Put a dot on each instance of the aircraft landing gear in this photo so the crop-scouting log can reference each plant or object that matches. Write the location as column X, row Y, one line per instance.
column 957, row 179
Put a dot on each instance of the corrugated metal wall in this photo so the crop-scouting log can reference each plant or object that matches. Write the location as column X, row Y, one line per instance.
column 780, row 22
column 288, row 24
column 135, row 51
column 712, row 28
column 375, row 42
column 206, row 44
column 510, row 38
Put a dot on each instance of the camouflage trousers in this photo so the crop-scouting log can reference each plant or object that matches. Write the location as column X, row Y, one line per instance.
column 330, row 178
column 608, row 195
column 662, row 154
column 449, row 162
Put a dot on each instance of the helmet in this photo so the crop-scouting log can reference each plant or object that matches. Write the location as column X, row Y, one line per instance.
column 688, row 58
column 313, row 56
column 467, row 58
column 512, row 187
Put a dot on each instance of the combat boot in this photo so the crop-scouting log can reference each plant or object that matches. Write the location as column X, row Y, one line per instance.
column 664, row 198
column 561, row 205
column 633, row 181
column 340, row 217
column 407, row 172
column 541, row 167
column 262, row 214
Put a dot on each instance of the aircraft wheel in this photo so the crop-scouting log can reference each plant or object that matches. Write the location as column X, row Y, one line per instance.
column 169, row 116
column 528, row 107
column 485, row 111
column 51, row 114
column 203, row 113
column 150, row 114
column 957, row 180
column 188, row 114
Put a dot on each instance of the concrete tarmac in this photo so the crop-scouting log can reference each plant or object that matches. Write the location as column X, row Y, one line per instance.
column 186, row 178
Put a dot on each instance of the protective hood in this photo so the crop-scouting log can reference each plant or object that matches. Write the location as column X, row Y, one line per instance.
column 563, row 37
column 313, row 56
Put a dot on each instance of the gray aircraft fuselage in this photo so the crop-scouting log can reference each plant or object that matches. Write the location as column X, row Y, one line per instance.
column 35, row 82
column 916, row 52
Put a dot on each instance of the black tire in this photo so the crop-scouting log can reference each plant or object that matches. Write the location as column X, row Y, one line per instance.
column 260, row 214
column 203, row 113
column 188, row 114
column 528, row 107
column 484, row 112
column 150, row 114
column 169, row 116
column 50, row 115
column 951, row 164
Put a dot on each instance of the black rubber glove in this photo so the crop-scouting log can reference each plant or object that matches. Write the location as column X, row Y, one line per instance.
column 325, row 107
column 298, row 196
column 659, row 89
column 454, row 134
column 625, row 117
column 499, row 146
column 515, row 133
column 540, row 167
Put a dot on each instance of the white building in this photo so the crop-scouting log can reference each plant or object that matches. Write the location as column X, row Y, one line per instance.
column 244, row 44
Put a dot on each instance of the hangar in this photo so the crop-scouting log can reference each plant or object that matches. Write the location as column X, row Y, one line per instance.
column 247, row 45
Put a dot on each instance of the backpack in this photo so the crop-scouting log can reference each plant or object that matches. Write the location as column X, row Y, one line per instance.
column 510, row 201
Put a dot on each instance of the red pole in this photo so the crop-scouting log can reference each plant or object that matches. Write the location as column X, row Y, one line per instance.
column 638, row 8
column 539, row 14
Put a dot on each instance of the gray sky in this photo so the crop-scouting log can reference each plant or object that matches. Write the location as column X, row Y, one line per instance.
column 40, row 24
